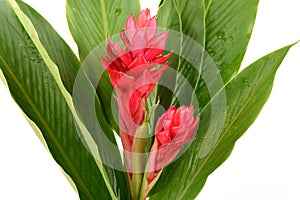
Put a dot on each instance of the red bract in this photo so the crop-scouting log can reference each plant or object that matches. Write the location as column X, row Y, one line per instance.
column 131, row 70
column 173, row 129
column 143, row 50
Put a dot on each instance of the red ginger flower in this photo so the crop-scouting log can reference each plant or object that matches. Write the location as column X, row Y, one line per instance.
column 131, row 70
column 143, row 50
column 173, row 129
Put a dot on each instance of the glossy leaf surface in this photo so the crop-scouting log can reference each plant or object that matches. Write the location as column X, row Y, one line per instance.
column 223, row 29
column 246, row 95
column 36, row 92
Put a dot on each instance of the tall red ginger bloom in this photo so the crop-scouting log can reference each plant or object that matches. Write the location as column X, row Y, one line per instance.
column 173, row 129
column 131, row 70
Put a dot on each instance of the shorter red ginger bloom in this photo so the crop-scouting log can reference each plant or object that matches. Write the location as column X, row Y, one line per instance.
column 173, row 129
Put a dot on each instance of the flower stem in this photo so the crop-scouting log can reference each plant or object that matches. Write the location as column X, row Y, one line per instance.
column 138, row 160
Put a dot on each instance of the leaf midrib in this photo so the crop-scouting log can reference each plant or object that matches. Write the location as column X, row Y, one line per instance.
column 104, row 16
column 203, row 47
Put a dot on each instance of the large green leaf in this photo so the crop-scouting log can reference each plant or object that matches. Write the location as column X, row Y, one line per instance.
column 213, row 41
column 103, row 140
column 58, row 50
column 246, row 95
column 68, row 73
column 222, row 28
column 90, row 23
column 39, row 95
column 229, row 26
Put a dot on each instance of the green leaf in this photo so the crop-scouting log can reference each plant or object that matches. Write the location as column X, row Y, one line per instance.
column 229, row 25
column 213, row 41
column 114, row 179
column 183, row 18
column 59, row 52
column 90, row 23
column 100, row 138
column 246, row 95
column 36, row 91
column 222, row 28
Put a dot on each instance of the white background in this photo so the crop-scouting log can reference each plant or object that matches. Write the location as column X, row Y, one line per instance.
column 265, row 163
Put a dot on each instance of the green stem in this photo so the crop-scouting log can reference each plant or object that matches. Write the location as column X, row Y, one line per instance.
column 138, row 160
column 143, row 192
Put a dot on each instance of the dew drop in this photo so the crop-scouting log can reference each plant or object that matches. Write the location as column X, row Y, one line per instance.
column 118, row 11
column 231, row 38
column 246, row 82
column 32, row 58
column 221, row 35
column 211, row 52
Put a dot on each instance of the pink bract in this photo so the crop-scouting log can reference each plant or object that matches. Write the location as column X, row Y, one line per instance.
column 173, row 129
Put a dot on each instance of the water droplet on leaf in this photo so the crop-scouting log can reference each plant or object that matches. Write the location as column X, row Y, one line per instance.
column 211, row 52
column 118, row 11
column 246, row 82
column 221, row 35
